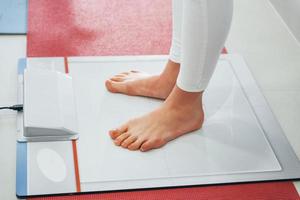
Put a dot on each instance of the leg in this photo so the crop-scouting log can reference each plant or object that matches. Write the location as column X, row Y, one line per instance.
column 205, row 25
column 157, row 86
column 175, row 50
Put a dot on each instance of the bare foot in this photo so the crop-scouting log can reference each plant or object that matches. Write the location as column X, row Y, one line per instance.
column 142, row 84
column 181, row 113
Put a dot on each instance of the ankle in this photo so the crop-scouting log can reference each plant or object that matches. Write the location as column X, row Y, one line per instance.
column 181, row 99
column 170, row 72
column 187, row 109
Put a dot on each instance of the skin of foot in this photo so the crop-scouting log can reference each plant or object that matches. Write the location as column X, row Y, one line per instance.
column 181, row 113
column 142, row 84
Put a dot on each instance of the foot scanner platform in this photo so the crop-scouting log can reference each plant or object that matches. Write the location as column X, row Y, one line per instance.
column 241, row 140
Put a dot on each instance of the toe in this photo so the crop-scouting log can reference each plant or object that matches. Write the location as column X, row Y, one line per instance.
column 121, row 138
column 120, row 75
column 152, row 144
column 146, row 146
column 109, row 86
column 128, row 141
column 117, row 79
column 117, row 132
column 114, row 134
column 114, row 86
column 136, row 145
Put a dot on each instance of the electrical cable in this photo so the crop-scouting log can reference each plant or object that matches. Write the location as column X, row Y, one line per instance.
column 17, row 107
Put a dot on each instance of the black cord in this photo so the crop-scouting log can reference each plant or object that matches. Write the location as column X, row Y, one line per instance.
column 18, row 107
column 2, row 108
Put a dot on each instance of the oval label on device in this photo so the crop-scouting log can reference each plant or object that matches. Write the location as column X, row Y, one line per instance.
column 51, row 165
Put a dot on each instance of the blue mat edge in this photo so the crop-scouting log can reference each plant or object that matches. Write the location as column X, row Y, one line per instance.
column 21, row 162
column 20, row 23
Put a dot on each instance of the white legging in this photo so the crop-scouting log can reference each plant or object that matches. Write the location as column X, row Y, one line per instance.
column 200, row 28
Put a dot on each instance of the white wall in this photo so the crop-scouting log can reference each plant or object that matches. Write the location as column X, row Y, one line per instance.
column 290, row 12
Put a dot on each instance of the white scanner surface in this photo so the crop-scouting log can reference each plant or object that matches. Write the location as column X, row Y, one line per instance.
column 50, row 168
column 230, row 142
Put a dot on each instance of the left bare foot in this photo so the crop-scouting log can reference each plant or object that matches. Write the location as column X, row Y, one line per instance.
column 142, row 84
column 181, row 113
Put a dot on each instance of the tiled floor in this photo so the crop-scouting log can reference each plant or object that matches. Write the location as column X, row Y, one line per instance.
column 257, row 33
column 11, row 49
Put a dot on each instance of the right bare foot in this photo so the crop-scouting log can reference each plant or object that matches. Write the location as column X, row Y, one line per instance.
column 181, row 113
column 142, row 84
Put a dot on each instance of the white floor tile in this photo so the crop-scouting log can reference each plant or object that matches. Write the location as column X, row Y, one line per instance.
column 11, row 49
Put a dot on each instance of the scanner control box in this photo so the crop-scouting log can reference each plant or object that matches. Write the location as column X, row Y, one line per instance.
column 49, row 112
